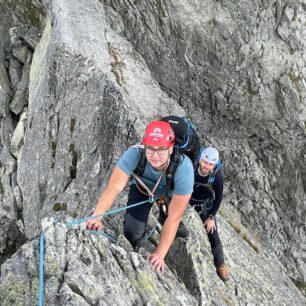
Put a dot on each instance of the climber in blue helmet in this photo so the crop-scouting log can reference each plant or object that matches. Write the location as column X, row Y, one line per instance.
column 206, row 200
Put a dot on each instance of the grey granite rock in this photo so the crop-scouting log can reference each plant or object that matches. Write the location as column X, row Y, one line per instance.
column 238, row 68
column 88, row 99
column 101, row 71
column 21, row 98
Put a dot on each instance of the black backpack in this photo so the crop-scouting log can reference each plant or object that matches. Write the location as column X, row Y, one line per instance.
column 186, row 142
column 186, row 138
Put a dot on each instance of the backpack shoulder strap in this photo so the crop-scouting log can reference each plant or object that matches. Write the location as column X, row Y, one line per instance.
column 174, row 162
column 212, row 177
column 139, row 170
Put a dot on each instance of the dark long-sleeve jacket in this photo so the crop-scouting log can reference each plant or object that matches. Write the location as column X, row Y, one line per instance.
column 203, row 191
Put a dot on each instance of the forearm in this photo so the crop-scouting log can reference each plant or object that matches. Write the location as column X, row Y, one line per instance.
column 167, row 235
column 176, row 210
column 105, row 201
column 215, row 208
column 116, row 184
column 218, row 197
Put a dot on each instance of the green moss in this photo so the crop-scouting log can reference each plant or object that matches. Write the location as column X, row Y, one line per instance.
column 35, row 286
column 146, row 288
column 134, row 55
column 245, row 236
column 295, row 79
column 300, row 285
column 32, row 14
column 235, row 226
column 117, row 64
column 60, row 206
column 53, row 266
column 158, row 4
column 15, row 293
column 250, row 242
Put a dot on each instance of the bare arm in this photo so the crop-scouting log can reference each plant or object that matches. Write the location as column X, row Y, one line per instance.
column 115, row 185
column 176, row 210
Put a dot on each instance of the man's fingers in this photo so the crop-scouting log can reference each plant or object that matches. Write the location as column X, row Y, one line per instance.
column 94, row 225
column 157, row 262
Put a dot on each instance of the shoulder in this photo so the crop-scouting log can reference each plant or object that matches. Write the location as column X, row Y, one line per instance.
column 129, row 160
column 184, row 177
column 185, row 162
column 219, row 175
column 133, row 152
column 185, row 167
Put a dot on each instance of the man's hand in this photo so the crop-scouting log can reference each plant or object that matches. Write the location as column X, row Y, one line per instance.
column 94, row 224
column 209, row 225
column 157, row 261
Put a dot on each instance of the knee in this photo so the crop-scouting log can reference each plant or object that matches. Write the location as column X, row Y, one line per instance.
column 133, row 229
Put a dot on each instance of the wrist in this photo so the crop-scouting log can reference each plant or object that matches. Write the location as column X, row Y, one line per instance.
column 160, row 253
column 211, row 217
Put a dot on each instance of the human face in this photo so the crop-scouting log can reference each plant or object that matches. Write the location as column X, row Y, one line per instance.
column 158, row 156
column 206, row 167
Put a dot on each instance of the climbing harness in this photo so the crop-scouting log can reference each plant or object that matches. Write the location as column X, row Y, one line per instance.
column 203, row 207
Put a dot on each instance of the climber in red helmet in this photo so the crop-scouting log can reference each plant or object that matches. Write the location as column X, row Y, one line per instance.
column 156, row 149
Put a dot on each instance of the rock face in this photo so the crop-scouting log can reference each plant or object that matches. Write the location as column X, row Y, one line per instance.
column 238, row 68
column 79, row 81
column 81, row 268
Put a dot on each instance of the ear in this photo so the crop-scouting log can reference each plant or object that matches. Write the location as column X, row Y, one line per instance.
column 171, row 150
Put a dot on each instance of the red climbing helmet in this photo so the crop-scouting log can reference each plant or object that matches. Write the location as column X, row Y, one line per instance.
column 159, row 133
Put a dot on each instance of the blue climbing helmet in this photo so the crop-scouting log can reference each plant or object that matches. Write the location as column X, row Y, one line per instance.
column 210, row 155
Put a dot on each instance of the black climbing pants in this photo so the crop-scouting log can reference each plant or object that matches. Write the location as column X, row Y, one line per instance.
column 136, row 218
column 214, row 239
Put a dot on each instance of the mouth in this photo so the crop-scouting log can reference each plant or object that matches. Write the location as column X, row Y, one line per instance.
column 204, row 170
column 155, row 161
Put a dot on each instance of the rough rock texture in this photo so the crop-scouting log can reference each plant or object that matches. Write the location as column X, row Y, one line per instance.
column 85, row 269
column 238, row 67
column 100, row 71
column 11, row 238
column 21, row 12
column 90, row 95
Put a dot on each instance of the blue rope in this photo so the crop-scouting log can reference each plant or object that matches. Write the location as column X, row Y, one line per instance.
column 41, row 270
column 110, row 212
column 103, row 234
column 41, row 241
column 151, row 232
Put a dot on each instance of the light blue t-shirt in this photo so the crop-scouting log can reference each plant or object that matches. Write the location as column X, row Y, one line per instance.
column 183, row 177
